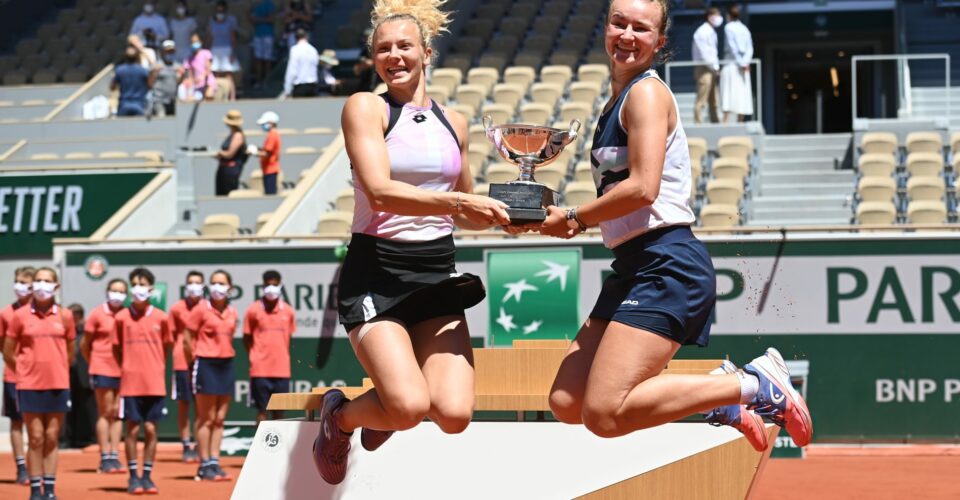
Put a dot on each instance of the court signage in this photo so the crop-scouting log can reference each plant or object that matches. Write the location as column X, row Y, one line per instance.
column 34, row 209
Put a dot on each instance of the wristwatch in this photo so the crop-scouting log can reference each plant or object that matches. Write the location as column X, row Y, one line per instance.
column 573, row 222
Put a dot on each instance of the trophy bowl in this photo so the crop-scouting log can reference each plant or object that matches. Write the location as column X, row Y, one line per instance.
column 528, row 147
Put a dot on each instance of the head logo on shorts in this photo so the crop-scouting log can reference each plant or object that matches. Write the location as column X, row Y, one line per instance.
column 533, row 294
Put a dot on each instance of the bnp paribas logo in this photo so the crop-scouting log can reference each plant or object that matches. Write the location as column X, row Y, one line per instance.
column 533, row 294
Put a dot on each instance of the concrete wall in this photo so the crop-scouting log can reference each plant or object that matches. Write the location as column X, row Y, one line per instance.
column 320, row 196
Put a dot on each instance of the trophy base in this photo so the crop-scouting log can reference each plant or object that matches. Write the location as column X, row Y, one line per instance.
column 525, row 201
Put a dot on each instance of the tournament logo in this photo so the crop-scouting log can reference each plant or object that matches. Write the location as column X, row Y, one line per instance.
column 271, row 440
column 95, row 267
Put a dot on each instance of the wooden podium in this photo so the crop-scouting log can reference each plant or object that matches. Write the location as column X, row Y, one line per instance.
column 505, row 460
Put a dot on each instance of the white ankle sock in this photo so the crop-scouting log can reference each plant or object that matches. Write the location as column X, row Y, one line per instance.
column 749, row 385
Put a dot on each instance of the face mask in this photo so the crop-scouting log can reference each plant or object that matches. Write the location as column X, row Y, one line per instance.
column 181, row 11
column 195, row 290
column 148, row 8
column 219, row 291
column 266, row 127
column 116, row 298
column 196, row 46
column 21, row 289
column 221, row 16
column 716, row 21
column 43, row 290
column 167, row 58
column 141, row 293
column 272, row 292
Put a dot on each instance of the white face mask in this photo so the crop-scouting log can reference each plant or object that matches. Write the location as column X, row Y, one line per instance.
column 219, row 291
column 21, row 289
column 195, row 290
column 716, row 21
column 220, row 16
column 141, row 293
column 272, row 292
column 43, row 290
column 116, row 298
column 181, row 11
column 148, row 8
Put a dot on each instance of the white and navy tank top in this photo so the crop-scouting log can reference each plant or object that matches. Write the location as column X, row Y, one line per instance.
column 611, row 165
column 424, row 152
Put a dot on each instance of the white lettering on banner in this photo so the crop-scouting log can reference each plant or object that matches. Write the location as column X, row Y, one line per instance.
column 52, row 208
column 785, row 442
column 913, row 390
column 241, row 388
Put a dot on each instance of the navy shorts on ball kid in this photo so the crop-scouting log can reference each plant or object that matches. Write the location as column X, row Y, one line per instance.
column 46, row 401
column 213, row 376
column 261, row 388
column 10, row 402
column 182, row 389
column 664, row 283
column 104, row 382
column 142, row 408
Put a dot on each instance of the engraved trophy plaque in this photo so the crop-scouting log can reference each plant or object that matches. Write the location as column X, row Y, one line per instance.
column 527, row 147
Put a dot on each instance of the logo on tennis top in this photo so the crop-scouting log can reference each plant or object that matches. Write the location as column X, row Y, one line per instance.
column 419, row 118
column 776, row 399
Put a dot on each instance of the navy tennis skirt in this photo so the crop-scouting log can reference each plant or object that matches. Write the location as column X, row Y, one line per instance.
column 664, row 283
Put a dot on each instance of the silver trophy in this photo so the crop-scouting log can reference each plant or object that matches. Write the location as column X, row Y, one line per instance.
column 528, row 147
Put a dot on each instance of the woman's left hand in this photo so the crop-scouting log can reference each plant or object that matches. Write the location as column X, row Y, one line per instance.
column 556, row 224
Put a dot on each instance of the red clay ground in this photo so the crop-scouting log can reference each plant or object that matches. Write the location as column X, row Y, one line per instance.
column 827, row 473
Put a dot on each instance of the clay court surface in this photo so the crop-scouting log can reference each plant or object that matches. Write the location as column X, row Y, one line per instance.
column 841, row 473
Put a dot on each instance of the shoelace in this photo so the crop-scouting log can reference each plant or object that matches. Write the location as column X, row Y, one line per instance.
column 716, row 418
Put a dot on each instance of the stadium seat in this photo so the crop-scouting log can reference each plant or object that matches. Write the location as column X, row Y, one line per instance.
column 583, row 172
column 485, row 77
column 728, row 191
column 926, row 164
column 698, row 148
column 565, row 57
column 524, row 10
column 557, row 74
column 546, row 93
column 508, row 93
column 696, row 170
column 955, row 142
column 876, row 164
column 438, row 93
column 575, row 42
column 149, row 155
column 505, row 45
column 599, row 73
column 551, row 175
column 536, row 113
column 500, row 113
column 76, row 75
column 448, row 78
column 719, row 215
column 255, row 182
column 581, row 24
column 597, row 56
column 735, row 146
column 481, row 28
column 730, row 168
column 489, row 11
column 501, row 172
column 335, row 222
column 469, row 45
column 876, row 189
column 345, row 201
column 247, row 193
column 253, row 132
column 460, row 62
column 478, row 134
column 876, row 212
column 44, row 156
column 494, row 60
column 579, row 193
column 478, row 154
column 262, row 220
column 287, row 131
column 113, row 155
column 548, row 25
column 483, row 189
column 78, row 155
column 514, row 25
column 956, row 162
column 15, row 77
column 45, row 76
column 521, row 75
column 529, row 58
column 468, row 111
column 924, row 142
column 472, row 95
column 220, row 225
column 318, row 130
column 879, row 142
column 927, row 212
column 300, row 150
column 585, row 92
column 926, row 188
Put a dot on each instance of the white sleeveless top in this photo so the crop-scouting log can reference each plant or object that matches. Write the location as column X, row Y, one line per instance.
column 611, row 165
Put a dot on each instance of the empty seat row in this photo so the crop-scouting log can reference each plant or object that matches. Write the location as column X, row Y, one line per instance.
column 916, row 142
column 918, row 212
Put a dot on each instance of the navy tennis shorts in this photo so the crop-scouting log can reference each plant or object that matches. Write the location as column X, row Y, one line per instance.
column 664, row 283
column 104, row 382
column 182, row 389
column 10, row 409
column 261, row 388
column 213, row 376
column 46, row 401
column 142, row 408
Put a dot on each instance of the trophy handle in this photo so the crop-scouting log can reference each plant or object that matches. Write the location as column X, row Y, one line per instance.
column 574, row 127
column 487, row 123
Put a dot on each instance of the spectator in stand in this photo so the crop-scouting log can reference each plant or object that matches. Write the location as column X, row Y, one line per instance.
column 736, row 92
column 297, row 16
column 96, row 347
column 141, row 345
column 222, row 39
column 300, row 79
column 182, row 28
column 149, row 19
column 133, row 81
column 146, row 56
column 22, row 288
column 198, row 82
column 268, row 326
column 364, row 68
column 167, row 75
column 232, row 155
column 329, row 84
column 40, row 345
column 262, row 15
column 269, row 153
column 182, row 389
column 707, row 74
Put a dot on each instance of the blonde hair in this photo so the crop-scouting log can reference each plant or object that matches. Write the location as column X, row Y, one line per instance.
column 426, row 14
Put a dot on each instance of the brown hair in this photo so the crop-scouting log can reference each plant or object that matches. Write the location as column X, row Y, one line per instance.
column 712, row 11
column 665, row 54
column 56, row 277
column 24, row 271
column 734, row 12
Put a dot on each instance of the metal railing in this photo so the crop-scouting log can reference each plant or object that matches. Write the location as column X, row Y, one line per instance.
column 757, row 80
column 903, row 81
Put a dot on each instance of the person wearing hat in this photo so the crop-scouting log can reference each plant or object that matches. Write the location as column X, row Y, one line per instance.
column 269, row 153
column 232, row 155
column 300, row 79
column 328, row 82
column 167, row 74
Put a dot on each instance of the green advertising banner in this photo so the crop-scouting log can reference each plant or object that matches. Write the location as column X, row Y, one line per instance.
column 534, row 294
column 34, row 209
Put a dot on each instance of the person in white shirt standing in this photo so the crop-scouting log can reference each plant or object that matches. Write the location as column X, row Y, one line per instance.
column 707, row 75
column 736, row 93
column 301, row 77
